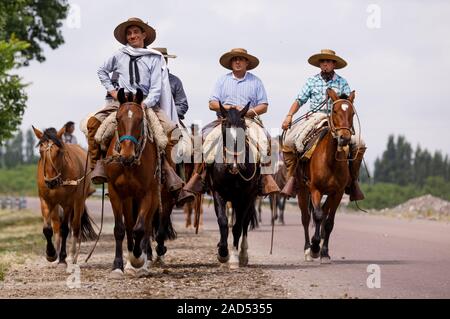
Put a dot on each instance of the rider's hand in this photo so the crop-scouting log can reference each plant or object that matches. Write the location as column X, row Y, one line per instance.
column 114, row 94
column 287, row 122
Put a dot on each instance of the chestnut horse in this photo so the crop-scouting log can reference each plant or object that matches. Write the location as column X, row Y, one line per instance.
column 62, row 183
column 133, row 171
column 326, row 173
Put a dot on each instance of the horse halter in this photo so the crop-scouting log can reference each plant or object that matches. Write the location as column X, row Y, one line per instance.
column 334, row 129
column 53, row 181
column 139, row 143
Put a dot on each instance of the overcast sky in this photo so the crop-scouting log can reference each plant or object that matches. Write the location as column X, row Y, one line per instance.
column 398, row 54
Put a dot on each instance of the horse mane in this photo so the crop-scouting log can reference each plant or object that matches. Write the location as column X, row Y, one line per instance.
column 343, row 96
column 50, row 134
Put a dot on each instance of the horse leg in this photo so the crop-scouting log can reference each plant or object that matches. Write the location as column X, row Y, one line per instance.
column 303, row 201
column 129, row 219
column 260, row 208
column 64, row 234
column 119, row 232
column 237, row 232
column 282, row 205
column 220, row 208
column 316, row 197
column 78, row 210
column 47, row 211
column 243, row 254
column 188, row 213
column 331, row 204
column 56, row 226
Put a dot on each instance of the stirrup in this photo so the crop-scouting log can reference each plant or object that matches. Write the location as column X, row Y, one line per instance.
column 98, row 174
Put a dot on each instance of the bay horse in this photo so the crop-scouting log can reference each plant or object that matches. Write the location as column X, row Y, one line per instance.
column 132, row 166
column 237, row 183
column 62, row 185
column 326, row 173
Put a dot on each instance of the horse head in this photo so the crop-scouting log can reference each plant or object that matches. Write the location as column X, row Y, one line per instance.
column 341, row 117
column 130, row 125
column 233, row 136
column 51, row 150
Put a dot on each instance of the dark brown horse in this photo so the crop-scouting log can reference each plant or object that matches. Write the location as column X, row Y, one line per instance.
column 133, row 169
column 61, row 186
column 326, row 173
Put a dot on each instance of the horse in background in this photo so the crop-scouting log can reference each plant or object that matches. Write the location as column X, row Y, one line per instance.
column 326, row 173
column 62, row 185
column 227, row 183
column 132, row 165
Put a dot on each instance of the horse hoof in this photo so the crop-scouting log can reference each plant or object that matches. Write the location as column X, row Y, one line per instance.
column 325, row 260
column 159, row 262
column 243, row 261
column 308, row 257
column 116, row 274
column 137, row 262
column 223, row 259
column 233, row 262
column 51, row 258
column 129, row 269
column 313, row 254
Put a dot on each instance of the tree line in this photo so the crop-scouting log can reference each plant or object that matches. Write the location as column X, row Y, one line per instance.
column 400, row 164
column 20, row 150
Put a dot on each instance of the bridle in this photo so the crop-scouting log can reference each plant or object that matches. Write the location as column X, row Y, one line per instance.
column 138, row 142
column 334, row 129
column 235, row 167
column 56, row 181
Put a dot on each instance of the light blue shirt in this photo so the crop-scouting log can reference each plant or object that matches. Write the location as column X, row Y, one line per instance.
column 232, row 91
column 315, row 90
column 149, row 71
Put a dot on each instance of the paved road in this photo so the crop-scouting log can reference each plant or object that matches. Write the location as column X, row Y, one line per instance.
column 413, row 256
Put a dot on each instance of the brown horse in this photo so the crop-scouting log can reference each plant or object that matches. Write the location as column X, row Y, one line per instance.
column 326, row 173
column 61, row 184
column 132, row 167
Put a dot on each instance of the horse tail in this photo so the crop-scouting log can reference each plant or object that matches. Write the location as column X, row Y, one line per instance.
column 87, row 230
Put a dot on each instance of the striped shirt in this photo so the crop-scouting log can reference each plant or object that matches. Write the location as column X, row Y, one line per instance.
column 315, row 90
column 232, row 91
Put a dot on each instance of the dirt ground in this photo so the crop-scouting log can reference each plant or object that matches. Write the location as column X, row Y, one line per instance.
column 186, row 275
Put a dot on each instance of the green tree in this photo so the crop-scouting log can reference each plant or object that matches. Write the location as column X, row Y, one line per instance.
column 14, row 151
column 12, row 94
column 35, row 22
column 30, row 141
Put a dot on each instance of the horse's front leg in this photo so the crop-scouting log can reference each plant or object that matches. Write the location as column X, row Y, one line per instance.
column 165, row 230
column 316, row 198
column 119, row 232
column 47, row 211
column 303, row 203
column 64, row 234
column 221, row 213
column 330, row 207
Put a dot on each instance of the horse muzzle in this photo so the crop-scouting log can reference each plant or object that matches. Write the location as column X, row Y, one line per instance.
column 127, row 160
column 53, row 183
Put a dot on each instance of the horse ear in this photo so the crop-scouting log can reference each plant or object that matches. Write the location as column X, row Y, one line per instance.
column 37, row 132
column 121, row 96
column 139, row 96
column 222, row 110
column 61, row 132
column 332, row 94
column 245, row 110
column 351, row 98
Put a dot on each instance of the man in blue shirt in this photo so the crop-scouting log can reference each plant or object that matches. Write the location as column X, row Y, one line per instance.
column 315, row 91
column 235, row 90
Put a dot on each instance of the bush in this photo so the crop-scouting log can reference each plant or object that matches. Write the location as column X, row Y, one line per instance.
column 19, row 181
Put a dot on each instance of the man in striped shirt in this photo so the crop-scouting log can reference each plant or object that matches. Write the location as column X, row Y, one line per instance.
column 235, row 90
column 315, row 91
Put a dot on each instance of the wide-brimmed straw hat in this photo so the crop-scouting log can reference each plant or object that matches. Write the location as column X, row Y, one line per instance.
column 121, row 29
column 225, row 59
column 327, row 54
column 164, row 53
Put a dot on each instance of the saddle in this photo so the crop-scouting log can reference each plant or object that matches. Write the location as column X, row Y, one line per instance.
column 311, row 140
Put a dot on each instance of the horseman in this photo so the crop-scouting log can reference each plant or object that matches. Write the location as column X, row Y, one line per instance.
column 315, row 91
column 176, row 86
column 136, row 67
column 235, row 90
